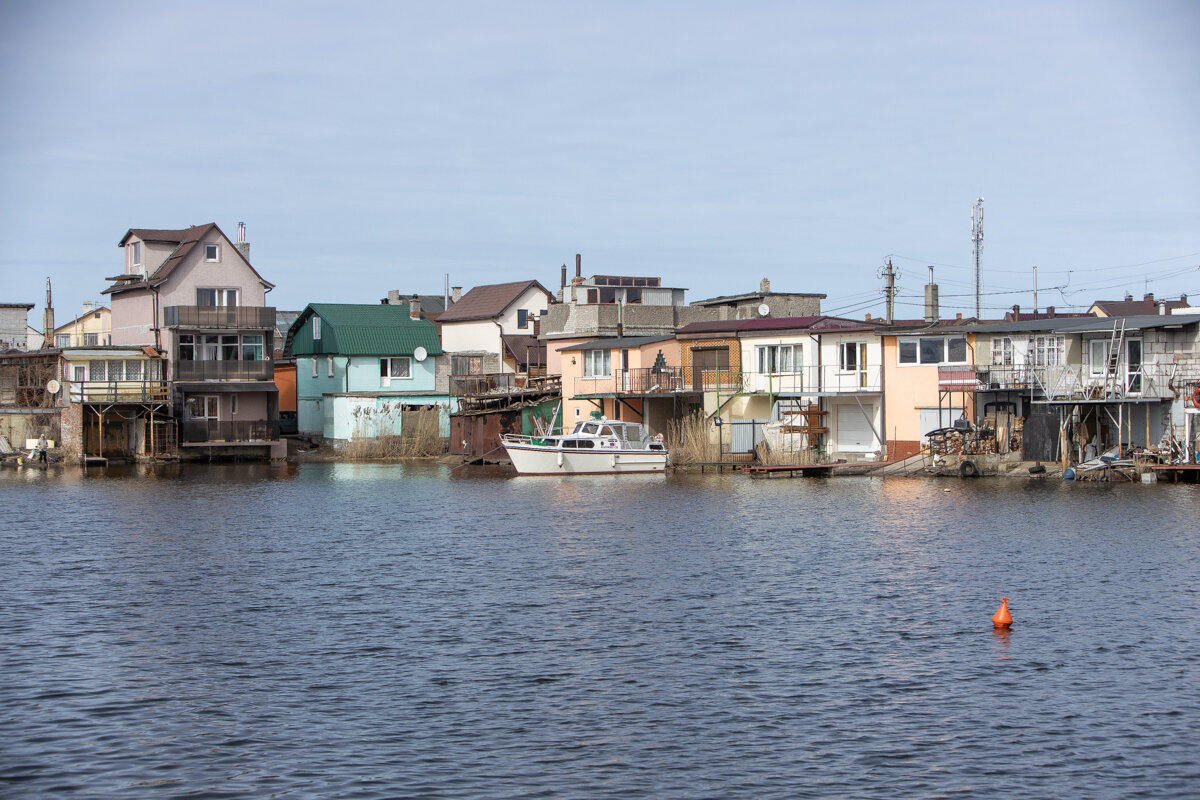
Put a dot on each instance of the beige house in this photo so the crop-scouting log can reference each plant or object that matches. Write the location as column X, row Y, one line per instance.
column 92, row 328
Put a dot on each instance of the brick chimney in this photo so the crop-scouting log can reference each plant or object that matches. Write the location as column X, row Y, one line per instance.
column 414, row 307
column 868, row 316
column 1149, row 298
column 1017, row 313
column 455, row 294
column 1049, row 312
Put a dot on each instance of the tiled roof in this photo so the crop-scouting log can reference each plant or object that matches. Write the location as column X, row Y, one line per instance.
column 1135, row 308
column 185, row 241
column 361, row 330
column 487, row 302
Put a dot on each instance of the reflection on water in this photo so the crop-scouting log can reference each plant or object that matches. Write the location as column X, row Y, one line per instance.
column 379, row 630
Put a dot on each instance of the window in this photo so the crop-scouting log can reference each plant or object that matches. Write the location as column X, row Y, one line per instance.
column 252, row 347
column 187, row 347
column 116, row 370
column 133, row 370
column 466, row 365
column 316, row 329
column 934, row 350
column 233, row 398
column 79, row 373
column 775, row 358
column 212, row 252
column 216, row 297
column 62, row 340
column 96, row 371
column 202, row 406
column 390, row 369
column 1098, row 348
column 1002, row 352
column 852, row 356
column 209, row 347
column 134, row 252
column 229, row 347
column 597, row 363
column 329, row 365
column 314, row 366
column 522, row 318
column 1047, row 350
column 91, row 339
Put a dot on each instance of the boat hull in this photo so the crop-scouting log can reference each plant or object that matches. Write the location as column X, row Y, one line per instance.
column 534, row 460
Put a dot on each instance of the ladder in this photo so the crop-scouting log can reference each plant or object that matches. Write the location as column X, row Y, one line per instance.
column 1111, row 379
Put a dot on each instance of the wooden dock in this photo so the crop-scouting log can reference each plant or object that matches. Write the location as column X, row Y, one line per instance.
column 789, row 470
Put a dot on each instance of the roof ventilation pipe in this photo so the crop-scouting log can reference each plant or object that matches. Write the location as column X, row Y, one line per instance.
column 931, row 300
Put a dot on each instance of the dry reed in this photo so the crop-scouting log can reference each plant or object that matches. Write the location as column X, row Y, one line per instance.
column 420, row 437
column 691, row 441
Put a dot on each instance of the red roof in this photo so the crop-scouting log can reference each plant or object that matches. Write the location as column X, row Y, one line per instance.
column 487, row 302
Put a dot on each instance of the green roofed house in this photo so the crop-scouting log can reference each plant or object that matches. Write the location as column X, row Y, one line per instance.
column 362, row 369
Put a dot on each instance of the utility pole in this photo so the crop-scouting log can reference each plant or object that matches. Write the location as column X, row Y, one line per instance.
column 890, row 291
column 977, row 239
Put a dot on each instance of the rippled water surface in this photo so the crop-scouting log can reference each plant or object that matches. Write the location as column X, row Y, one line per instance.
column 370, row 631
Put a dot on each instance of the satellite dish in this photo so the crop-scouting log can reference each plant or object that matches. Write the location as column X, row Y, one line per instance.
column 420, row 353
column 52, row 386
column 764, row 309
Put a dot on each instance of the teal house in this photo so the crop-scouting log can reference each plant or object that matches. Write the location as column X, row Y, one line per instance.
column 361, row 369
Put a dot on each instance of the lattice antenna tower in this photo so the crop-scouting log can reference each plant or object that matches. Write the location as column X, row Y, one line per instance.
column 977, row 240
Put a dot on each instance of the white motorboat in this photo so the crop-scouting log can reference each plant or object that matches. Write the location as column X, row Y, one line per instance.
column 596, row 446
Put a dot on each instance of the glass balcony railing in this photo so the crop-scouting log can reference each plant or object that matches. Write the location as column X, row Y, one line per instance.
column 220, row 317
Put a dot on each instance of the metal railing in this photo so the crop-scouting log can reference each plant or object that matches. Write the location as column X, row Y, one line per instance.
column 119, row 391
column 1067, row 382
column 220, row 317
column 501, row 384
column 640, row 381
column 224, row 370
column 199, row 431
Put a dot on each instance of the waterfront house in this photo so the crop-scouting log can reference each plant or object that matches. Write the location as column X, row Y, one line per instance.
column 473, row 329
column 193, row 294
column 631, row 378
column 927, row 372
column 363, row 370
column 99, row 402
column 810, row 385
column 1092, row 383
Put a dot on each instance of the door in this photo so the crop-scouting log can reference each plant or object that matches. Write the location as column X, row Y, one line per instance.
column 854, row 434
column 625, row 370
column 1133, row 366
column 708, row 360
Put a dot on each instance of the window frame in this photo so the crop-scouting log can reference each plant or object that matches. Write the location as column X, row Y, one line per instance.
column 590, row 365
column 387, row 364
column 1098, row 366
column 216, row 253
column 316, row 329
column 922, row 345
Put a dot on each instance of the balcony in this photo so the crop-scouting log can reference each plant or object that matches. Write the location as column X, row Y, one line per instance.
column 828, row 379
column 635, row 382
column 1068, row 382
column 501, row 384
column 119, row 392
column 199, row 431
column 224, row 370
column 220, row 317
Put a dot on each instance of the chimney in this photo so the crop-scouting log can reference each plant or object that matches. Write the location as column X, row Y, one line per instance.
column 537, row 326
column 1016, row 313
column 455, row 294
column 868, row 316
column 931, row 300
column 1049, row 312
column 578, row 265
column 48, row 321
column 958, row 315
column 242, row 245
column 564, row 276
column 88, row 307
column 414, row 307
column 393, row 297
column 1183, row 299
column 1162, row 307
column 1149, row 298
column 764, row 286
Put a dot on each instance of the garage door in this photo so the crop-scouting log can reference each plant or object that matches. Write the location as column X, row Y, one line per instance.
column 854, row 431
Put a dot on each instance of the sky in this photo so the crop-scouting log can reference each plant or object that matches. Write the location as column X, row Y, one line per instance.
column 371, row 146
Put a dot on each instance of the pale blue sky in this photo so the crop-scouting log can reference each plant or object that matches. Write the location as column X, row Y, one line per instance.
column 377, row 146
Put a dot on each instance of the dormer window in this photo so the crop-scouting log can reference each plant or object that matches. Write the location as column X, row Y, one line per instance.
column 316, row 328
column 212, row 252
column 133, row 255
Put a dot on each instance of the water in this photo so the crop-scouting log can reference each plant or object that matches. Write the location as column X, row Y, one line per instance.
column 369, row 631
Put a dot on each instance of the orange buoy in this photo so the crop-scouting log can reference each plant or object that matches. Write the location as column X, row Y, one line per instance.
column 1002, row 619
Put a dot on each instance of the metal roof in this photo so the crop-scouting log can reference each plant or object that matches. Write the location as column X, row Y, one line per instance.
column 1090, row 324
column 615, row 342
column 361, row 330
